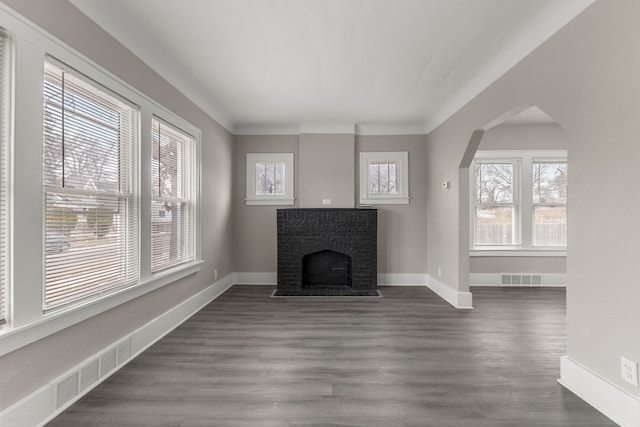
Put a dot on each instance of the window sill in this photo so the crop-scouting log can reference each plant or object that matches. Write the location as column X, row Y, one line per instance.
column 386, row 201
column 517, row 252
column 14, row 338
column 269, row 202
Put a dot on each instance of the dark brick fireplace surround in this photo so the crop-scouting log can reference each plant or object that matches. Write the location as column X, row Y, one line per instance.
column 327, row 252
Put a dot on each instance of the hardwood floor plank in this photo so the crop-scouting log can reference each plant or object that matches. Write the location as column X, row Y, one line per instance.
column 408, row 359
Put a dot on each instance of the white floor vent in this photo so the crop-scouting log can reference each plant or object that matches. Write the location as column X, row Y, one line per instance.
column 521, row 279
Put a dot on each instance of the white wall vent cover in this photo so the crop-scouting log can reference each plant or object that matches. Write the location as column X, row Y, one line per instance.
column 521, row 279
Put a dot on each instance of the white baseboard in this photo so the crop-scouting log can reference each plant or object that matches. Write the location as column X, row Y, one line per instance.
column 52, row 399
column 616, row 404
column 461, row 300
column 495, row 279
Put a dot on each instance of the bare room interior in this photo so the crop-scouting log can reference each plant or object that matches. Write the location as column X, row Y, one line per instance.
column 319, row 213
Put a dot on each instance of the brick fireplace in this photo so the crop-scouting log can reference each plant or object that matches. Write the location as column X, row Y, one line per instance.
column 327, row 252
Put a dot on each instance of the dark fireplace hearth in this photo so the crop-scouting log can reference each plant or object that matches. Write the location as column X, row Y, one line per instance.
column 327, row 252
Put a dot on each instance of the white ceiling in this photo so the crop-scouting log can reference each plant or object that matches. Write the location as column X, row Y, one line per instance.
column 271, row 66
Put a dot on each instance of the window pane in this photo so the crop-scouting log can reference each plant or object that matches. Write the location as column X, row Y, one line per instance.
column 550, row 226
column 494, row 182
column 270, row 179
column 549, row 182
column 171, row 234
column 494, row 226
column 383, row 177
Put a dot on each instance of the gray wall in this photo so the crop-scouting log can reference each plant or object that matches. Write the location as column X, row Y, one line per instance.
column 27, row 369
column 327, row 168
column 585, row 77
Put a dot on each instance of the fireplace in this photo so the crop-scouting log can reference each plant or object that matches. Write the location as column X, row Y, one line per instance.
column 327, row 252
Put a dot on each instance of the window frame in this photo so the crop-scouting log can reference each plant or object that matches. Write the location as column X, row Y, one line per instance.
column 254, row 199
column 187, row 196
column 6, row 127
column 401, row 158
column 525, row 205
column 28, row 322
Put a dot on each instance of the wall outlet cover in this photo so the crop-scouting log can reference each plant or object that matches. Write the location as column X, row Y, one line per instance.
column 629, row 370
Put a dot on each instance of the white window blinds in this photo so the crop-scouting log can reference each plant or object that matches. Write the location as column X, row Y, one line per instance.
column 5, row 88
column 172, row 206
column 89, row 175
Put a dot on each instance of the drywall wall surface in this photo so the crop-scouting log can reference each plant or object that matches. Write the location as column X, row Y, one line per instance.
column 327, row 170
column 402, row 229
column 25, row 370
column 585, row 77
column 254, row 227
column 511, row 264
column 524, row 137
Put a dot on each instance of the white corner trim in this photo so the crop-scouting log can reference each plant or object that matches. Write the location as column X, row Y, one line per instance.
column 251, row 278
column 402, row 279
column 40, row 407
column 613, row 402
column 461, row 300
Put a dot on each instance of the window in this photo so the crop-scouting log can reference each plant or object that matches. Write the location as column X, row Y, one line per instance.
column 269, row 179
column 519, row 200
column 384, row 178
column 495, row 204
column 172, row 181
column 89, row 179
column 549, row 203
column 5, row 88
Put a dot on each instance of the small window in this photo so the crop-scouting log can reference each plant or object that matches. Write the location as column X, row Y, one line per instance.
column 5, row 88
column 173, row 204
column 269, row 179
column 549, row 203
column 384, row 178
column 90, row 141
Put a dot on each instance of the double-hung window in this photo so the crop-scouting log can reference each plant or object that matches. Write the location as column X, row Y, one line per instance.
column 90, row 200
column 5, row 87
column 519, row 200
column 172, row 207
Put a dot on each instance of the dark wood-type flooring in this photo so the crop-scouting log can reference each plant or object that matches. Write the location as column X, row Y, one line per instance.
column 408, row 359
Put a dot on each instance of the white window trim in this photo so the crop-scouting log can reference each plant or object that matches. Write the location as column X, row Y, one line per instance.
column 402, row 178
column 28, row 323
column 523, row 201
column 252, row 199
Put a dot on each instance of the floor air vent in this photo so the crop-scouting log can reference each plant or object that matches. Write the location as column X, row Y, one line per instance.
column 521, row 279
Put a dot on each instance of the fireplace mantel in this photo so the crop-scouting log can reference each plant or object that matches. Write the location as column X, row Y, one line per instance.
column 347, row 235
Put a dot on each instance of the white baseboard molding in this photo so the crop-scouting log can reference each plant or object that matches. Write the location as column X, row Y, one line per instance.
column 495, row 279
column 53, row 398
column 616, row 404
column 461, row 300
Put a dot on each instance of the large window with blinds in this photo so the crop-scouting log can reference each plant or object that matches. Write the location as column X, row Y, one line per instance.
column 90, row 219
column 5, row 88
column 172, row 205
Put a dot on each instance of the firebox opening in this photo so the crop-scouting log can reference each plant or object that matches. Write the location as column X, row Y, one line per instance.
column 326, row 269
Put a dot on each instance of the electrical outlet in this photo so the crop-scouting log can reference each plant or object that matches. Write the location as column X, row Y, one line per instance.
column 629, row 371
column 439, row 271
column 215, row 274
column 326, row 201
